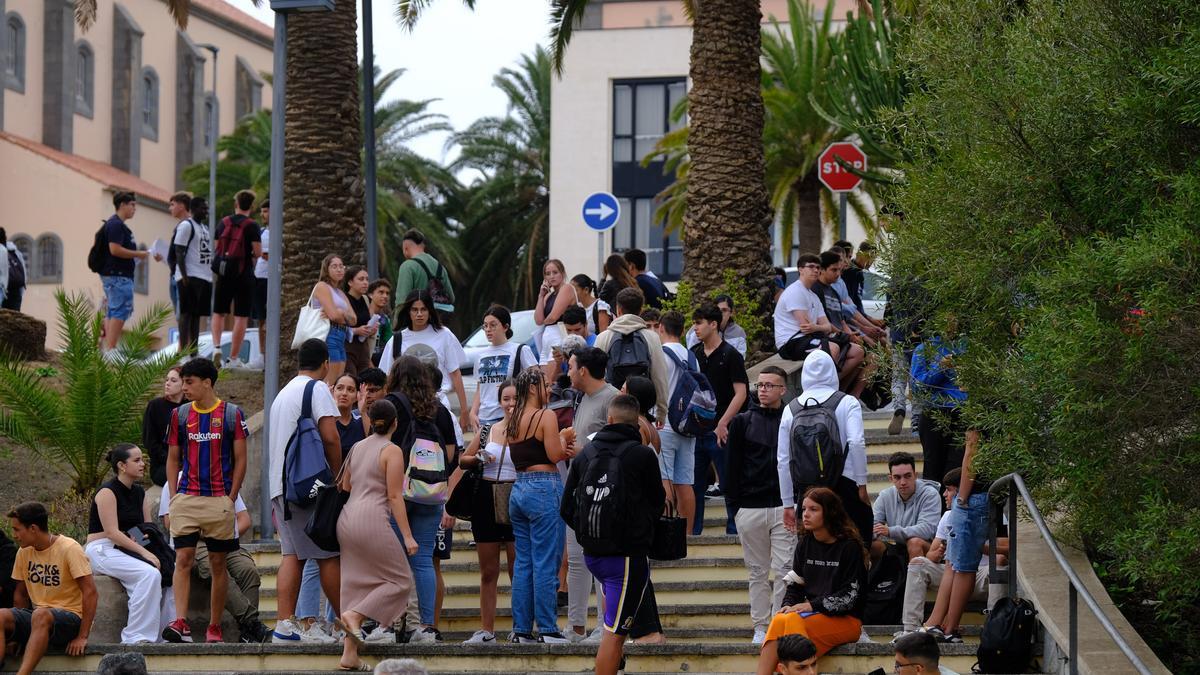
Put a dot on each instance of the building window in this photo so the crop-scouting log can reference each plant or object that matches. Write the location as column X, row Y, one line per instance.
column 85, row 79
column 210, row 109
column 141, row 273
column 14, row 52
column 49, row 267
column 24, row 244
column 642, row 114
column 638, row 228
column 149, row 104
column 248, row 98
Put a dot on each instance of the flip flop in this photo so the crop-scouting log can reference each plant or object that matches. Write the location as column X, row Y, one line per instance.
column 360, row 668
column 358, row 636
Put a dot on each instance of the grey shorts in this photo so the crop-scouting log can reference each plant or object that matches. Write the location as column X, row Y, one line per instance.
column 292, row 538
column 64, row 629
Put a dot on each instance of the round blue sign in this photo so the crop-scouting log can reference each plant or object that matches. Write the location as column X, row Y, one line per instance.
column 601, row 211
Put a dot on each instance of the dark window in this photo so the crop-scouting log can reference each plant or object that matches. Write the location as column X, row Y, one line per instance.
column 141, row 273
column 210, row 110
column 49, row 267
column 24, row 244
column 14, row 52
column 249, row 87
column 85, row 79
column 149, row 104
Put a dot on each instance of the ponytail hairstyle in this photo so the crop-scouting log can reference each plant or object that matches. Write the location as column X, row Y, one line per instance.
column 118, row 454
column 529, row 383
column 383, row 416
column 585, row 282
column 503, row 316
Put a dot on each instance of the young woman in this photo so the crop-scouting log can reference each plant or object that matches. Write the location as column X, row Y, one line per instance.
column 327, row 296
column 599, row 313
column 554, row 297
column 409, row 388
column 647, row 628
column 498, row 363
column 533, row 441
column 422, row 335
column 495, row 464
column 349, row 421
column 155, row 421
column 358, row 348
column 376, row 578
column 616, row 277
column 117, row 508
column 827, row 585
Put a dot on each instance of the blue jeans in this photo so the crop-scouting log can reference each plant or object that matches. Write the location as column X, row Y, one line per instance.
column 119, row 291
column 968, row 531
column 423, row 520
column 539, row 533
column 707, row 451
column 308, row 602
column 174, row 290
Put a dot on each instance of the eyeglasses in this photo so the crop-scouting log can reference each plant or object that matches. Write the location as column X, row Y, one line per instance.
column 770, row 385
column 901, row 666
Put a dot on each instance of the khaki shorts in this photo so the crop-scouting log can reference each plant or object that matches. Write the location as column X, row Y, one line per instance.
column 209, row 518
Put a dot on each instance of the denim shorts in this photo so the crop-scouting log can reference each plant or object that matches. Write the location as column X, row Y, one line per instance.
column 336, row 343
column 64, row 629
column 119, row 291
column 968, row 531
column 677, row 462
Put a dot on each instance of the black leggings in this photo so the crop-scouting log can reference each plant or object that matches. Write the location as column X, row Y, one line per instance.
column 942, row 442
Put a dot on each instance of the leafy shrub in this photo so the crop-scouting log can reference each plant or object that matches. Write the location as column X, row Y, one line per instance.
column 746, row 303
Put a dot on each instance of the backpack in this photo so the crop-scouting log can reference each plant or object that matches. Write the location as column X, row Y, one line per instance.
column 817, row 453
column 230, row 255
column 628, row 355
column 98, row 253
column 692, row 408
column 304, row 467
column 171, row 260
column 885, row 589
column 16, row 271
column 602, row 509
column 426, row 478
column 437, row 290
column 1006, row 643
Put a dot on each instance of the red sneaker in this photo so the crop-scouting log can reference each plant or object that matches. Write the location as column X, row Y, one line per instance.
column 177, row 631
column 213, row 634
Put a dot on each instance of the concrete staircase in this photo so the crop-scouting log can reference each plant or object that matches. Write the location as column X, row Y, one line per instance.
column 703, row 603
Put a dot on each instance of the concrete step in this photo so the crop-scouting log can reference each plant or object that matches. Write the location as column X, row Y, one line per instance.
column 880, row 634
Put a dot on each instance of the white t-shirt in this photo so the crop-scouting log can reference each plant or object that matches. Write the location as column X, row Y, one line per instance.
column 285, row 413
column 493, row 366
column 795, row 297
column 673, row 372
column 450, row 354
column 199, row 252
column 260, row 266
column 601, row 307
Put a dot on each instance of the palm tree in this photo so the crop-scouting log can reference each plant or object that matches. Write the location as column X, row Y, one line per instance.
column 245, row 161
column 100, row 402
column 508, row 210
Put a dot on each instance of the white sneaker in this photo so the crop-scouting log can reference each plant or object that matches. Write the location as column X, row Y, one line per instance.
column 760, row 636
column 384, row 634
column 594, row 638
column 234, row 364
column 863, row 637
column 316, row 634
column 423, row 636
column 285, row 632
column 573, row 637
column 256, row 363
column 552, row 639
column 480, row 637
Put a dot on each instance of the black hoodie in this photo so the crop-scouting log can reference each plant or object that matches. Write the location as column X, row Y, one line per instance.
column 639, row 468
column 751, row 477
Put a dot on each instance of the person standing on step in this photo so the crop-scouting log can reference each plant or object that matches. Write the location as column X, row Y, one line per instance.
column 616, row 278
column 358, row 348
column 647, row 625
column 238, row 247
column 935, row 386
column 731, row 332
column 500, row 362
column 328, row 296
column 258, row 308
column 652, row 289
column 751, row 488
column 555, row 295
column 634, row 349
column 598, row 312
column 421, row 271
column 678, row 457
column 155, row 422
column 206, row 464
column 726, row 372
column 612, row 500
column 120, row 254
column 193, row 270
column 379, row 293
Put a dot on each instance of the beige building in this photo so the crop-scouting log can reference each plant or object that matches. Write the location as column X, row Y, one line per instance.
column 624, row 71
column 124, row 106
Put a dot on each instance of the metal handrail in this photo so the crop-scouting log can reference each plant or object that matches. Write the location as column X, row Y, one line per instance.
column 1075, row 586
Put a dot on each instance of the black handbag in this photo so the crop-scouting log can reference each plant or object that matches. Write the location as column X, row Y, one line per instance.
column 799, row 345
column 327, row 508
column 670, row 536
column 461, row 503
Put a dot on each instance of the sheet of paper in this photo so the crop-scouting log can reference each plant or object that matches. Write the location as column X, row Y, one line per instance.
column 159, row 249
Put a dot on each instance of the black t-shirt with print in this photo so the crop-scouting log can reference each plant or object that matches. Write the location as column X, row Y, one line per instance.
column 723, row 368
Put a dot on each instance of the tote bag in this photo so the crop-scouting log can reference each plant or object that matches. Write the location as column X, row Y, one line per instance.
column 310, row 324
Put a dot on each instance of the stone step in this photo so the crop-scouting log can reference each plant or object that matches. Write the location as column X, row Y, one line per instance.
column 881, row 634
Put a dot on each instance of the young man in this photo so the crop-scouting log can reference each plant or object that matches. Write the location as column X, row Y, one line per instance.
column 55, row 595
column 908, row 511
column 205, row 470
column 117, row 272
column 849, row 339
column 751, row 487
column 935, row 388
column 295, row 545
column 620, row 564
column 574, row 321
column 193, row 271
column 678, row 456
column 918, row 654
column 14, row 274
column 653, row 290
column 239, row 244
column 628, row 322
column 800, row 314
column 731, row 332
column 651, row 316
column 855, row 273
column 258, row 308
column 379, row 294
column 797, row 656
column 726, row 372
column 418, row 269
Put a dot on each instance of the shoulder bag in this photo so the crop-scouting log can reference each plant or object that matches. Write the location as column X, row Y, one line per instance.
column 670, row 535
column 311, row 323
column 331, row 499
column 501, row 491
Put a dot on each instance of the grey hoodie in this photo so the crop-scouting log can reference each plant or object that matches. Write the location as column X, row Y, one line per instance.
column 629, row 323
column 918, row 517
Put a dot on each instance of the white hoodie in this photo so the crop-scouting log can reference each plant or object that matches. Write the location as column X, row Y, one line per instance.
column 820, row 381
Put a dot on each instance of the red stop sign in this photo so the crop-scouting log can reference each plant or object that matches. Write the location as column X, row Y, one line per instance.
column 834, row 175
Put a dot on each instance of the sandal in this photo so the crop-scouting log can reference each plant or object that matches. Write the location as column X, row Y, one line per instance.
column 360, row 668
column 359, row 637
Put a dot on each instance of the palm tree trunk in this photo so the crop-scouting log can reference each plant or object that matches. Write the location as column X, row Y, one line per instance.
column 727, row 216
column 809, row 227
column 323, row 197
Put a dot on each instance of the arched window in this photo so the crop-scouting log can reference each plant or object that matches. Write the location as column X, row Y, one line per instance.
column 141, row 273
column 210, row 109
column 49, row 269
column 85, row 78
column 149, row 104
column 14, row 52
column 24, row 244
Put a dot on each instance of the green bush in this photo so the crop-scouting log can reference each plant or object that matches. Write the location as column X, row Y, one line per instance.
column 746, row 304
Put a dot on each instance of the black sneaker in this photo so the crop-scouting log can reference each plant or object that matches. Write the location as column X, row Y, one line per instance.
column 254, row 633
column 563, row 599
column 897, row 423
column 954, row 638
column 522, row 639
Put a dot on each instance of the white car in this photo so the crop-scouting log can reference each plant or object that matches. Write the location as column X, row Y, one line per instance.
column 523, row 327
column 248, row 351
column 874, row 291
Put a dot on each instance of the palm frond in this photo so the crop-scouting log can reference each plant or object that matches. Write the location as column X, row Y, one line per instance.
column 565, row 16
column 85, row 14
column 409, row 11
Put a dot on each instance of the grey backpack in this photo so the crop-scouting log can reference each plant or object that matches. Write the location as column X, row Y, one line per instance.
column 818, row 454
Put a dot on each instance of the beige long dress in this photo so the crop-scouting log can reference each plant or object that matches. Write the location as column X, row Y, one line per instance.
column 376, row 578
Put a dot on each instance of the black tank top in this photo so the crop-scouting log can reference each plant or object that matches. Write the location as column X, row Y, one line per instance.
column 129, row 506
column 549, row 306
column 531, row 451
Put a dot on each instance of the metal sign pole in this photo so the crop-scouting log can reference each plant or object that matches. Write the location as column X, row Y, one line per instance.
column 600, row 255
column 842, row 199
column 368, row 76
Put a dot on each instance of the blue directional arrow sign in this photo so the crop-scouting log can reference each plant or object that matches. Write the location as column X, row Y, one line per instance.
column 601, row 211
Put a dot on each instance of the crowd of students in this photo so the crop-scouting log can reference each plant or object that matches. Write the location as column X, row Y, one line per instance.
column 610, row 417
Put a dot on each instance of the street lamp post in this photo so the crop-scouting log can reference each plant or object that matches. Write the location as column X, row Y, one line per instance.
column 368, row 76
column 213, row 129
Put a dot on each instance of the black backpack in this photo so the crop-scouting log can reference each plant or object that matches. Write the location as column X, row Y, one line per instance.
column 885, row 589
column 818, row 454
column 628, row 355
column 16, row 271
column 98, row 253
column 437, row 290
column 602, row 509
column 1006, row 643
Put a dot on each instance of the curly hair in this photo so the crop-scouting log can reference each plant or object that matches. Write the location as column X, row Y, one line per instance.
column 410, row 377
column 837, row 521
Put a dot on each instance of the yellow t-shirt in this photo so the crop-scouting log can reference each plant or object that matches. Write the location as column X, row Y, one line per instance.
column 50, row 575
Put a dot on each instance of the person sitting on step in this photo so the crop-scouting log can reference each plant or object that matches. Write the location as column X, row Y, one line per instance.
column 907, row 512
